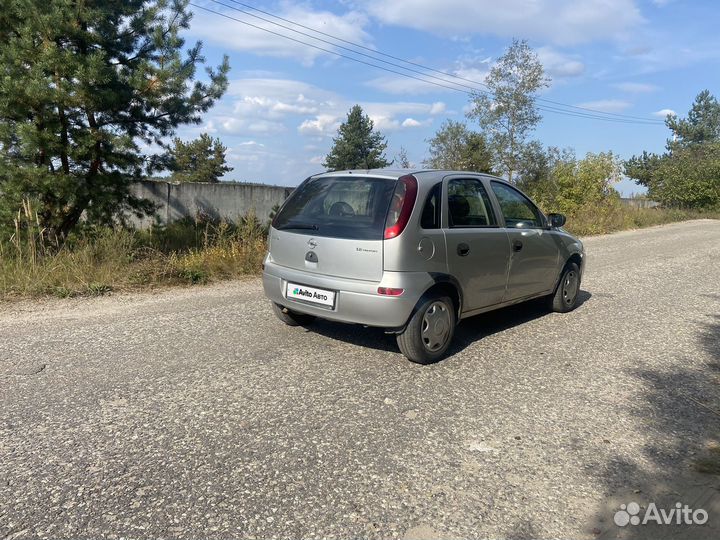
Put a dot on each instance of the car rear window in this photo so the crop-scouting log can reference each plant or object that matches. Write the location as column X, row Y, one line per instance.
column 338, row 207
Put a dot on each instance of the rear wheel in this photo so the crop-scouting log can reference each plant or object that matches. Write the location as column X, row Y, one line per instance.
column 428, row 334
column 291, row 318
column 566, row 295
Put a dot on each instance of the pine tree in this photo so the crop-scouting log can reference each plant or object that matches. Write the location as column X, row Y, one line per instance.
column 200, row 160
column 688, row 174
column 701, row 125
column 82, row 86
column 357, row 146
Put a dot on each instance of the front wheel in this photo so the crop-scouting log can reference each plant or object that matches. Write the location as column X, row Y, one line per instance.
column 291, row 318
column 566, row 295
column 427, row 336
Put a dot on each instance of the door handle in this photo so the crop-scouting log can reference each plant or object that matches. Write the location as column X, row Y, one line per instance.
column 463, row 249
column 517, row 245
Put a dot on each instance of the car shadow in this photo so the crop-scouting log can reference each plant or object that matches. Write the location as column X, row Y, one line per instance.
column 468, row 331
column 481, row 326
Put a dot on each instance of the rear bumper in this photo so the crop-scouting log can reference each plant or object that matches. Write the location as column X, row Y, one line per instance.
column 356, row 301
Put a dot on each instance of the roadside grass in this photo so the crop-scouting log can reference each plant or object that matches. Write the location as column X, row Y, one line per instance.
column 593, row 220
column 98, row 260
column 95, row 261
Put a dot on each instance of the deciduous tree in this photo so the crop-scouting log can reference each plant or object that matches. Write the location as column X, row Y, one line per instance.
column 455, row 147
column 508, row 113
column 403, row 160
column 586, row 183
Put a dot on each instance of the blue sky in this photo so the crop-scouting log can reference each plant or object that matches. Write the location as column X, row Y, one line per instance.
column 632, row 57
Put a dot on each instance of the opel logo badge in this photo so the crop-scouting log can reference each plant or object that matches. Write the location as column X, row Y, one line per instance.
column 312, row 243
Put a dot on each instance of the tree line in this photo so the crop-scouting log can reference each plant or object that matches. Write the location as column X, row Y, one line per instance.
column 686, row 175
column 91, row 95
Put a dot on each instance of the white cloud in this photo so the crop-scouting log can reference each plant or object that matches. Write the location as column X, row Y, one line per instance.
column 240, row 126
column 252, row 143
column 209, row 127
column 635, row 88
column 248, row 151
column 265, row 127
column 395, row 84
column 317, row 160
column 255, row 107
column 237, row 36
column 395, row 108
column 384, row 123
column 664, row 112
column 322, row 124
column 556, row 21
column 275, row 98
column 472, row 73
column 558, row 64
column 606, row 105
column 437, row 108
column 275, row 108
column 411, row 123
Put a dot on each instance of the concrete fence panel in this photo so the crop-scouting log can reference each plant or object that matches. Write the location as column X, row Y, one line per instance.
column 639, row 203
column 224, row 200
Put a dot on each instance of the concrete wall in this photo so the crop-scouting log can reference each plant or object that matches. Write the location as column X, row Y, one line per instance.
column 639, row 203
column 228, row 200
column 224, row 200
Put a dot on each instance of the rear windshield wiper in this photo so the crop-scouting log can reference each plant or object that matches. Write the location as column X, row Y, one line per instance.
column 304, row 226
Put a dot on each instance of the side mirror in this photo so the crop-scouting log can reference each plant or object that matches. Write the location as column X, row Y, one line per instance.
column 556, row 220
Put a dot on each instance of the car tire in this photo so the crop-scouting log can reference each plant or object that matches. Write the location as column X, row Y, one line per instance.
column 292, row 318
column 428, row 334
column 566, row 293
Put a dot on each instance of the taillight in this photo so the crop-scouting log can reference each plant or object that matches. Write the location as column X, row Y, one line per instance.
column 401, row 206
column 390, row 291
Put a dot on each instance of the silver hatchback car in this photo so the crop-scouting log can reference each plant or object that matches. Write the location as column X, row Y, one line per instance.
column 414, row 252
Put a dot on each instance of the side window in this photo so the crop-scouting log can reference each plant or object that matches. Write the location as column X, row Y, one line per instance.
column 469, row 204
column 519, row 212
column 430, row 218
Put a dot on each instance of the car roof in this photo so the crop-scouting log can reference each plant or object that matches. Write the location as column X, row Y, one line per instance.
column 394, row 173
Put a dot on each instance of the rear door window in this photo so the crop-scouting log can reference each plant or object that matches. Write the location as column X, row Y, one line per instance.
column 469, row 204
column 338, row 207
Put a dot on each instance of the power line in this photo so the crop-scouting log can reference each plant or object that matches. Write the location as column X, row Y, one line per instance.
column 425, row 68
column 339, row 46
column 329, row 51
column 580, row 114
column 555, row 110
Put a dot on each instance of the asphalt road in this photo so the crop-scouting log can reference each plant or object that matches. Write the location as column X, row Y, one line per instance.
column 194, row 413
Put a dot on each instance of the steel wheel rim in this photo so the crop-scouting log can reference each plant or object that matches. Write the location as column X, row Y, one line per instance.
column 435, row 326
column 570, row 287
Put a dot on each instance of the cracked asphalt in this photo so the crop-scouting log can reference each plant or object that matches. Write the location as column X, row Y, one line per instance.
column 194, row 413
